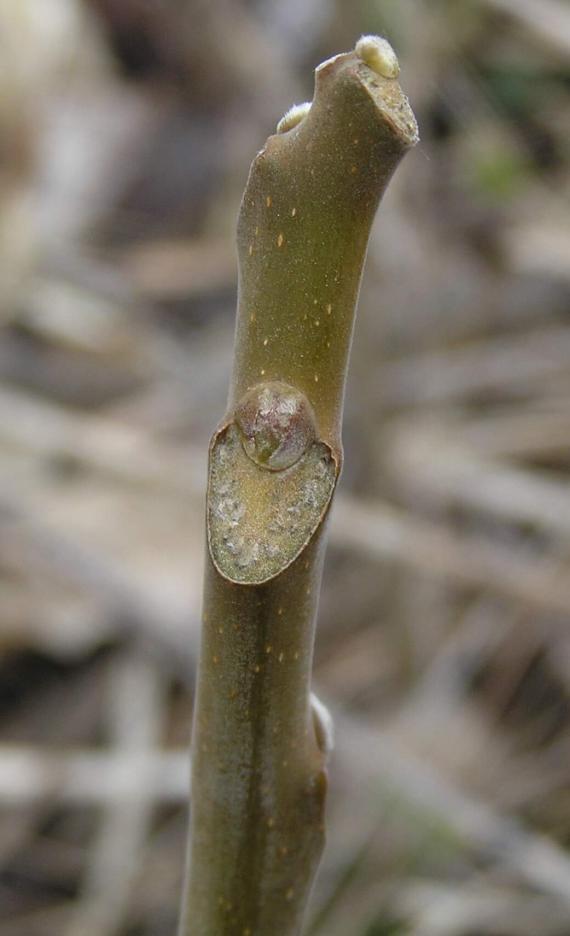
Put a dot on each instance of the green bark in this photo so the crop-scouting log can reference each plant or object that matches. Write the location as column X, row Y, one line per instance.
column 259, row 748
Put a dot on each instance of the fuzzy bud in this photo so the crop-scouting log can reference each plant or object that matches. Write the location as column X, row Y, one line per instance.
column 379, row 55
column 293, row 117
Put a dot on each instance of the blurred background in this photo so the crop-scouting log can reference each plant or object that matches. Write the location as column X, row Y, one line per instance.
column 126, row 132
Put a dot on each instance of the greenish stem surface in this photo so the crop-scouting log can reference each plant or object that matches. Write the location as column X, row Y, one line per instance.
column 258, row 772
column 303, row 231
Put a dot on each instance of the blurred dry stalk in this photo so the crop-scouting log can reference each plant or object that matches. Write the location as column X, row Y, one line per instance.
column 443, row 644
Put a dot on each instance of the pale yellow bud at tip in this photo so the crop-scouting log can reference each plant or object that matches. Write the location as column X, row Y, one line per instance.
column 293, row 117
column 379, row 55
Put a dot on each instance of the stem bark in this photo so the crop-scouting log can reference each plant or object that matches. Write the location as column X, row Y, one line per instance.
column 259, row 760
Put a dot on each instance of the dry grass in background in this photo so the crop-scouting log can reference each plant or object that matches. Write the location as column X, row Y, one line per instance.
column 126, row 132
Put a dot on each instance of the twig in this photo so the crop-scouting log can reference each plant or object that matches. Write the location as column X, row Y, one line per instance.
column 259, row 777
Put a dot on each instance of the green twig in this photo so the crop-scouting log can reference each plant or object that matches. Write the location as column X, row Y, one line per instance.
column 259, row 744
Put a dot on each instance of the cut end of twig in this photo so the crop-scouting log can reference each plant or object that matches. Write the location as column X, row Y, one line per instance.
column 379, row 55
column 293, row 116
column 374, row 65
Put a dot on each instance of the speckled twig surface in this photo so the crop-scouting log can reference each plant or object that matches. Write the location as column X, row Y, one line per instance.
column 259, row 760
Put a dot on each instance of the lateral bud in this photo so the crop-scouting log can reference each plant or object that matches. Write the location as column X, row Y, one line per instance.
column 277, row 424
